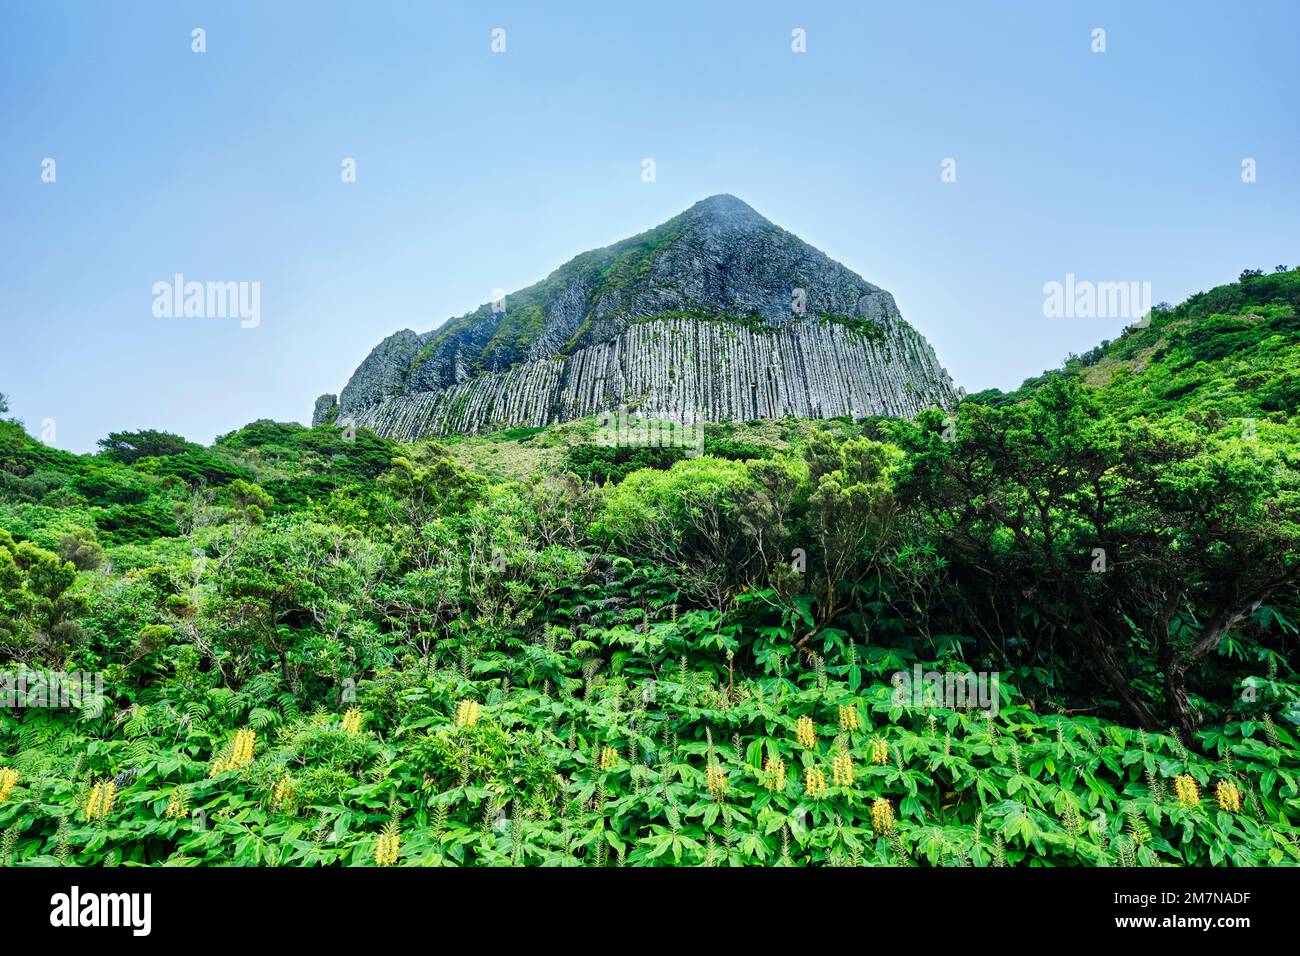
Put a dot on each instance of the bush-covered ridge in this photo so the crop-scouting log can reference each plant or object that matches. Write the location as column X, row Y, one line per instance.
column 320, row 647
column 1230, row 352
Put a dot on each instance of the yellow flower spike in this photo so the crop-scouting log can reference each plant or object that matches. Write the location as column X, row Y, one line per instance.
column 245, row 741
column 608, row 758
column 1228, row 796
column 282, row 793
column 467, row 713
column 91, row 809
column 1186, row 791
column 110, row 794
column 388, row 846
column 882, row 816
column 879, row 751
column 221, row 763
column 775, row 768
column 804, row 732
column 814, row 781
column 717, row 781
column 842, row 770
column 235, row 754
column 849, row 719
column 95, row 801
column 178, row 806
column 8, row 777
column 352, row 721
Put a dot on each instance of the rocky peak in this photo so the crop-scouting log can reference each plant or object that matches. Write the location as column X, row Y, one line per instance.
column 725, row 211
column 718, row 262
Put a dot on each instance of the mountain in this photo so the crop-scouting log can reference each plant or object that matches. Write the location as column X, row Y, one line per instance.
column 715, row 315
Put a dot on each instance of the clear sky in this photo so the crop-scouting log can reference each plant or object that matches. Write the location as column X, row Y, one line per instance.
column 478, row 170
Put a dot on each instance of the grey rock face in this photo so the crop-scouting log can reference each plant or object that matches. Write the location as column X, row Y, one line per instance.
column 384, row 371
column 326, row 410
column 715, row 315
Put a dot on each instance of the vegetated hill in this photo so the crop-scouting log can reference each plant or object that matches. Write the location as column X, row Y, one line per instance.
column 714, row 315
column 531, row 648
column 1230, row 353
column 147, row 485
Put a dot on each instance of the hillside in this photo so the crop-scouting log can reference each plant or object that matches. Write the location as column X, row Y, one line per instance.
column 1229, row 353
column 715, row 315
column 320, row 646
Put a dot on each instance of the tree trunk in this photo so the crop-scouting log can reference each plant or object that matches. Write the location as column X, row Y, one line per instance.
column 1105, row 660
column 1094, row 641
column 1177, row 703
column 284, row 672
column 1179, row 662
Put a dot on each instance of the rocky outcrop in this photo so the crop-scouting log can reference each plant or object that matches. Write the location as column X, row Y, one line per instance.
column 326, row 410
column 715, row 315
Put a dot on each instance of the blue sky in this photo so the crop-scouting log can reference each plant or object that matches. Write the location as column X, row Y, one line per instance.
column 478, row 170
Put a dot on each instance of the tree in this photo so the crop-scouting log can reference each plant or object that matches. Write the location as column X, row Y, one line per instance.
column 250, row 499
column 851, row 516
column 270, row 579
column 81, row 549
column 1222, row 537
column 37, row 614
column 128, row 447
column 698, row 517
column 429, row 480
column 1142, row 544
column 1008, row 498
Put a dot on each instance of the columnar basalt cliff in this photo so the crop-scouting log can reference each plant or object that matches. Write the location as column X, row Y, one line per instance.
column 715, row 315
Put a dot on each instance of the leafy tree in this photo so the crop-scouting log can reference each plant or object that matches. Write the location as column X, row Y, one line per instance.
column 37, row 614
column 429, row 480
column 250, row 499
column 1104, row 534
column 853, row 512
column 130, row 447
column 81, row 549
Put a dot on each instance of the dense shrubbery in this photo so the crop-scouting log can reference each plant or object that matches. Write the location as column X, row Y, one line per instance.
column 601, row 464
column 319, row 647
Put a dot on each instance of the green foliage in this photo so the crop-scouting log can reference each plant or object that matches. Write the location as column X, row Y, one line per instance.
column 601, row 463
column 37, row 612
column 320, row 648
column 1223, row 354
column 194, row 468
column 81, row 549
column 129, row 447
column 868, row 328
column 603, row 771
column 297, row 466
